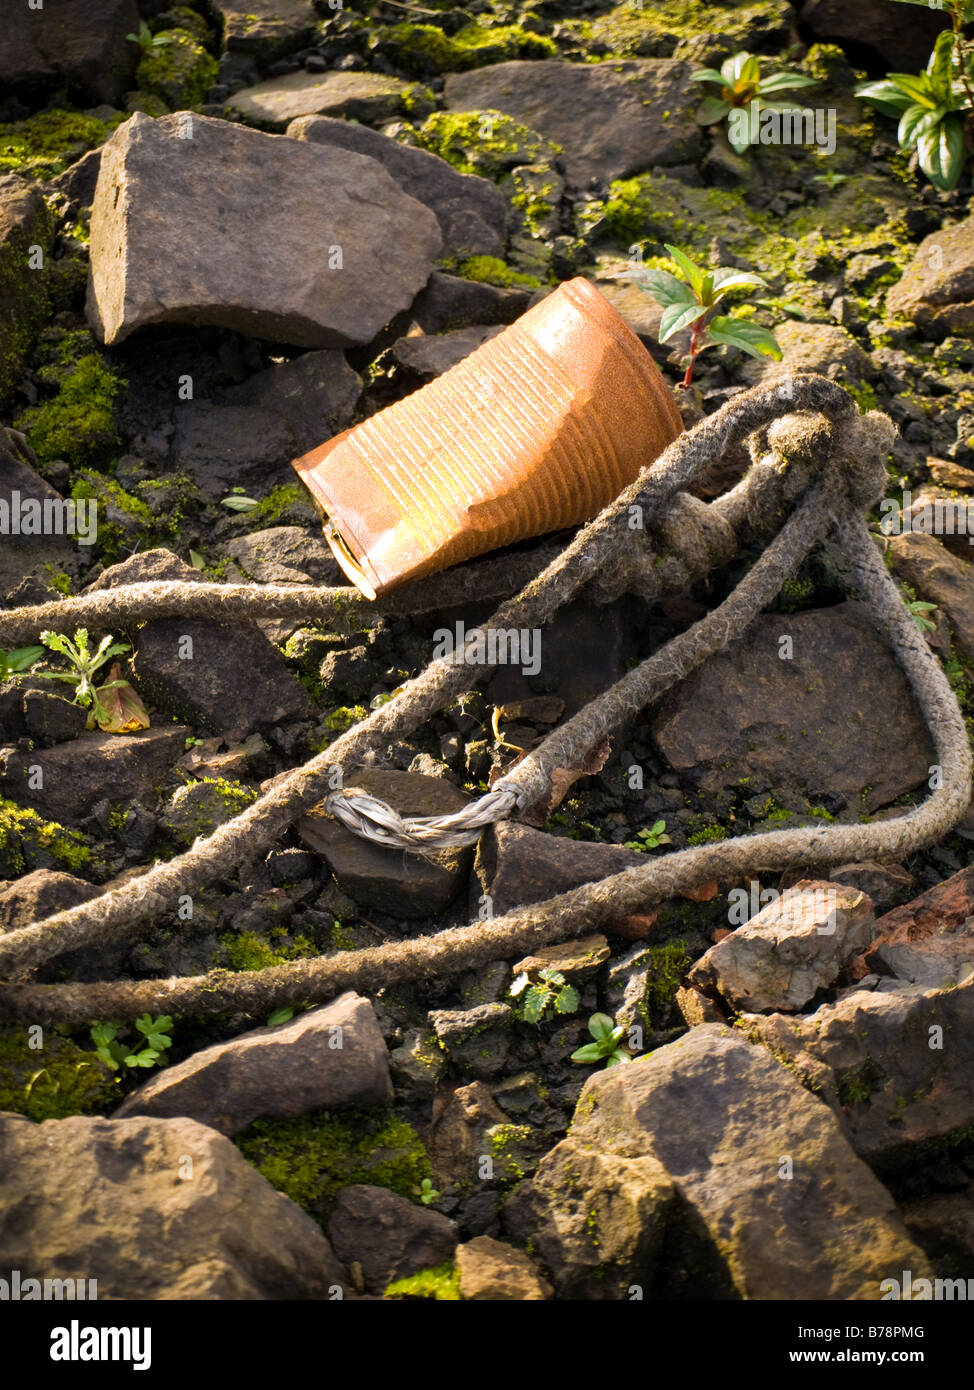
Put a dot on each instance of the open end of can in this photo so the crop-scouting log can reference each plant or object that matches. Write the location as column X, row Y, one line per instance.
column 348, row 562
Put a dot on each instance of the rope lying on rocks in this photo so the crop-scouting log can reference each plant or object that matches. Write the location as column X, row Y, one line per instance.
column 852, row 479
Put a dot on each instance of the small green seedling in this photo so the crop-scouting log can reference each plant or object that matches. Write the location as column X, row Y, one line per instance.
column 607, row 1046
column 548, row 994
column 146, row 39
column 16, row 662
column 918, row 611
column 690, row 297
column 149, row 1051
column 427, row 1193
column 237, row 501
column 742, row 88
column 831, row 180
column 650, row 839
column 114, row 704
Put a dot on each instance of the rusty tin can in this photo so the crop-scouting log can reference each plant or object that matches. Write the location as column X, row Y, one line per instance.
column 538, row 429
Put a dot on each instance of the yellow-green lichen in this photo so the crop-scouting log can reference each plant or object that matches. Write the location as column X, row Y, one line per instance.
column 441, row 1282
column 180, row 72
column 78, row 424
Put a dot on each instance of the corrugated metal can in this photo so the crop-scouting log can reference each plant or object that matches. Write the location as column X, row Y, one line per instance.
column 538, row 429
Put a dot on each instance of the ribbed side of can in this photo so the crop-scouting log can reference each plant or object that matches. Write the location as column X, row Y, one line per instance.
column 537, row 430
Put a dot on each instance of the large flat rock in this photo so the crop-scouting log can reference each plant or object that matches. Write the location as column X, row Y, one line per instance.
column 153, row 1209
column 470, row 210
column 611, row 119
column 201, row 221
column 352, row 96
column 322, row 1059
column 822, row 721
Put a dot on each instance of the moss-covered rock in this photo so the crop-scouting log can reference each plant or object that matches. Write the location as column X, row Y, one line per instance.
column 689, row 28
column 26, row 226
column 44, row 145
column 54, row 1080
column 78, row 424
column 181, row 71
column 425, row 50
column 27, row 841
column 311, row 1158
column 489, row 270
column 200, row 807
column 484, row 142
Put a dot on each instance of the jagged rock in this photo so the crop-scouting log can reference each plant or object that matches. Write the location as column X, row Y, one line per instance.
column 418, row 1064
column 22, row 555
column 24, row 222
column 431, row 354
column 26, row 900
column 476, row 1040
column 198, row 221
column 390, row 880
column 578, row 960
column 154, row 1209
column 595, row 1220
column 285, row 555
column 76, row 44
column 457, row 1138
column 940, row 578
column 388, row 1236
column 75, row 776
column 929, row 941
column 314, row 394
column 773, row 1200
column 638, row 112
column 788, row 951
column 450, row 302
column 886, row 884
column 354, row 96
column 897, row 1063
column 266, row 26
column 936, row 290
column 51, row 718
column 517, row 865
column 823, row 720
column 470, row 210
column 489, row 1269
column 321, row 1060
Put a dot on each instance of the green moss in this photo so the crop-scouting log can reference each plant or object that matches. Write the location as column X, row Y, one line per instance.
column 424, row 49
column 442, row 1282
column 656, row 30
column 484, row 142
column 248, row 951
column 312, row 1158
column 78, row 425
column 275, row 504
column 45, row 144
column 25, row 298
column 180, row 72
column 667, row 966
column 182, row 17
column 56, row 1080
column 707, row 835
column 491, row 271
column 22, row 829
column 857, row 1084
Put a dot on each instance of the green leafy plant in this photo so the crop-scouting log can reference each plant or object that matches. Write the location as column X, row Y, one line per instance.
column 282, row 1015
column 114, row 704
column 147, row 1051
column 690, row 297
column 651, row 838
column 427, row 1193
column 932, row 106
column 237, row 501
column 743, row 88
column 16, row 662
column 146, row 39
column 918, row 610
column 548, row 994
column 831, row 180
column 607, row 1046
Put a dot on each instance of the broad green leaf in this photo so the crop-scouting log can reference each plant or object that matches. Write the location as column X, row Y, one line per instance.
column 707, row 75
column 707, row 288
column 886, row 96
column 918, row 87
column 750, row 337
column 665, row 288
column 616, row 1057
column 21, row 658
column 940, row 65
column 731, row 68
column 692, row 272
column 750, row 70
column 784, row 81
column 553, row 977
column 534, row 1005
column 657, row 827
column 601, row 1026
column 726, row 279
column 240, row 504
column 678, row 316
column 197, row 560
column 280, row 1016
column 591, row 1052
column 941, row 153
column 712, row 109
column 916, row 121
column 567, row 1001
